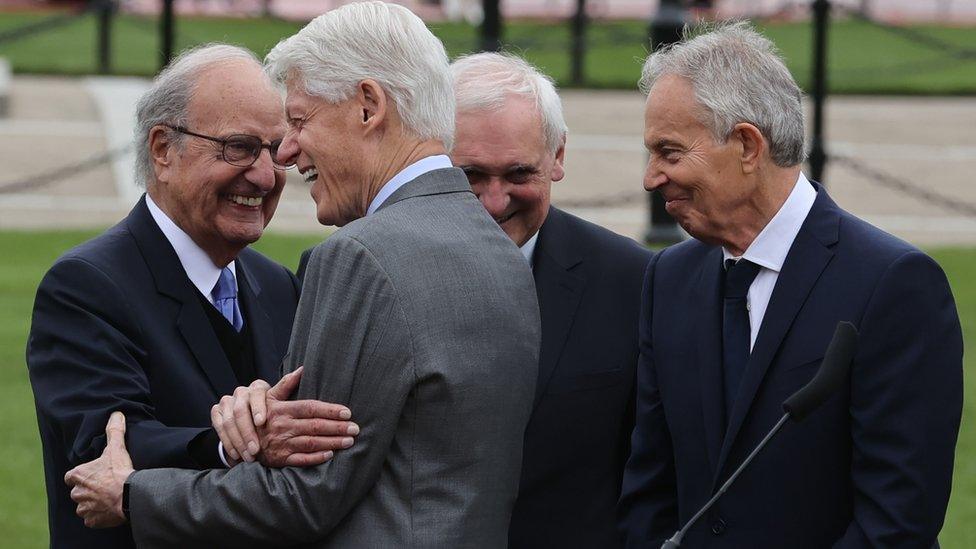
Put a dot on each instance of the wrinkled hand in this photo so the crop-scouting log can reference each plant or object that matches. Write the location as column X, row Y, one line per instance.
column 258, row 422
column 97, row 485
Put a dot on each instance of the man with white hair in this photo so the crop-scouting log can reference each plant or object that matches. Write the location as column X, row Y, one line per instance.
column 737, row 319
column 419, row 314
column 168, row 310
column 511, row 142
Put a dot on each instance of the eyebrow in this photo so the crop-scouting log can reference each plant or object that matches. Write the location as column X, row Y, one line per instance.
column 522, row 168
column 664, row 143
column 508, row 170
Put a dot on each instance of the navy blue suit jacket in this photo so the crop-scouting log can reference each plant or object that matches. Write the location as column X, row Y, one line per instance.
column 118, row 325
column 871, row 468
column 588, row 280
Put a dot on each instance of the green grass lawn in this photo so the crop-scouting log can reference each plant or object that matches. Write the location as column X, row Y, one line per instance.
column 27, row 255
column 863, row 58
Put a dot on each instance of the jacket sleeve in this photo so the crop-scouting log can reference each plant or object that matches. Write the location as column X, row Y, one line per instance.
column 353, row 339
column 906, row 403
column 85, row 360
column 648, row 501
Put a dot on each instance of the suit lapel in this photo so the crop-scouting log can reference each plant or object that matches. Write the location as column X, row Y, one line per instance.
column 559, row 290
column 809, row 255
column 171, row 280
column 261, row 328
column 709, row 353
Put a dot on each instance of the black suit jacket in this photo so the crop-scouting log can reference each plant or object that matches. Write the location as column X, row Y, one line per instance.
column 871, row 468
column 588, row 280
column 118, row 325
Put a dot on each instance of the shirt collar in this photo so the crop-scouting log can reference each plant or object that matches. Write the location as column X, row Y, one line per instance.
column 528, row 248
column 406, row 175
column 773, row 243
column 199, row 268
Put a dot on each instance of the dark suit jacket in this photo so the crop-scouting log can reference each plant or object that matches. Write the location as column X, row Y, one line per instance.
column 117, row 325
column 871, row 468
column 422, row 318
column 588, row 280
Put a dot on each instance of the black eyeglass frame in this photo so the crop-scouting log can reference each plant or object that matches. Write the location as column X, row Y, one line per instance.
column 272, row 147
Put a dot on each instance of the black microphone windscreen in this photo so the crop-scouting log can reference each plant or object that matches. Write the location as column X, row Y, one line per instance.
column 833, row 370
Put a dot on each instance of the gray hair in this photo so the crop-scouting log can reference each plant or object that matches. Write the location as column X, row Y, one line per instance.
column 379, row 41
column 168, row 99
column 738, row 76
column 483, row 81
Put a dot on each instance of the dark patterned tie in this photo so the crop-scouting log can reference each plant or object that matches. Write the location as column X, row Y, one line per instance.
column 735, row 326
column 225, row 298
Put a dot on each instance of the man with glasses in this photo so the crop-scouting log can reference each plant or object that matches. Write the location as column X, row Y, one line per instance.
column 419, row 313
column 168, row 310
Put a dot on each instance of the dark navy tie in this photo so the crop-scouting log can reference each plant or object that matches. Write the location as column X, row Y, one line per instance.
column 735, row 326
column 225, row 298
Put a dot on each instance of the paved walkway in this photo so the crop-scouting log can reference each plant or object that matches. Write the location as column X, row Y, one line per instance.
column 927, row 142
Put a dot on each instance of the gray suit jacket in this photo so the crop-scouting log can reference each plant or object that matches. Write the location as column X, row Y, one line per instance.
column 423, row 319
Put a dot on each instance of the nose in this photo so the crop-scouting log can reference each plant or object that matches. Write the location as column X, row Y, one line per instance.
column 288, row 149
column 262, row 172
column 653, row 176
column 494, row 197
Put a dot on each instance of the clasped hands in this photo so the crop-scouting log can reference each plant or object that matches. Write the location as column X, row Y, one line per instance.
column 257, row 422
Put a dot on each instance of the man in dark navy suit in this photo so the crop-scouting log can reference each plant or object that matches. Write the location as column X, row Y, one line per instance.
column 510, row 141
column 737, row 319
column 168, row 310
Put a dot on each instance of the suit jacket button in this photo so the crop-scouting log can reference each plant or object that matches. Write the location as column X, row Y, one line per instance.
column 718, row 527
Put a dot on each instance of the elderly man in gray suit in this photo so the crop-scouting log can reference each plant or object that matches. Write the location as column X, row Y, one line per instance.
column 419, row 314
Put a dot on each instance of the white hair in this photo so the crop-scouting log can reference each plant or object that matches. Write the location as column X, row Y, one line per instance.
column 379, row 41
column 168, row 99
column 484, row 81
column 738, row 76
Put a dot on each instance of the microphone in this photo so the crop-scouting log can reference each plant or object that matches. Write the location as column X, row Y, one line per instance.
column 833, row 370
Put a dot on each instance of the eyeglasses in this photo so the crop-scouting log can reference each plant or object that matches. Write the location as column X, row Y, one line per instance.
column 241, row 150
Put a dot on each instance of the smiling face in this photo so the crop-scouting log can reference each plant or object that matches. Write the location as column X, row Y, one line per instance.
column 326, row 142
column 223, row 208
column 510, row 169
column 700, row 179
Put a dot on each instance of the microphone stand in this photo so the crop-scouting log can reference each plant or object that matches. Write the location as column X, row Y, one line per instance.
column 675, row 540
column 833, row 370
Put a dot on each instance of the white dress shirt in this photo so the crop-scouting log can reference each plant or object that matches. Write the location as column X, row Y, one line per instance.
column 770, row 248
column 406, row 175
column 198, row 266
column 528, row 249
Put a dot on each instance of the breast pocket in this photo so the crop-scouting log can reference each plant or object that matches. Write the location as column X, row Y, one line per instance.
column 587, row 381
column 789, row 377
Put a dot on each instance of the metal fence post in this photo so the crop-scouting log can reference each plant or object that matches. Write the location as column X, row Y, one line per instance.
column 666, row 28
column 491, row 26
column 166, row 33
column 106, row 9
column 818, row 154
column 578, row 47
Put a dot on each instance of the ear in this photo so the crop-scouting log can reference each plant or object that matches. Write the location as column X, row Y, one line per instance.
column 373, row 104
column 557, row 167
column 161, row 151
column 753, row 144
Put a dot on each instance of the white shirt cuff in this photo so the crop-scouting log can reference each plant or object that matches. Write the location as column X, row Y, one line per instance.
column 220, row 453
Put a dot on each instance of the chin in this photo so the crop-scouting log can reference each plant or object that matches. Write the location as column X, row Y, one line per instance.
column 329, row 219
column 244, row 235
